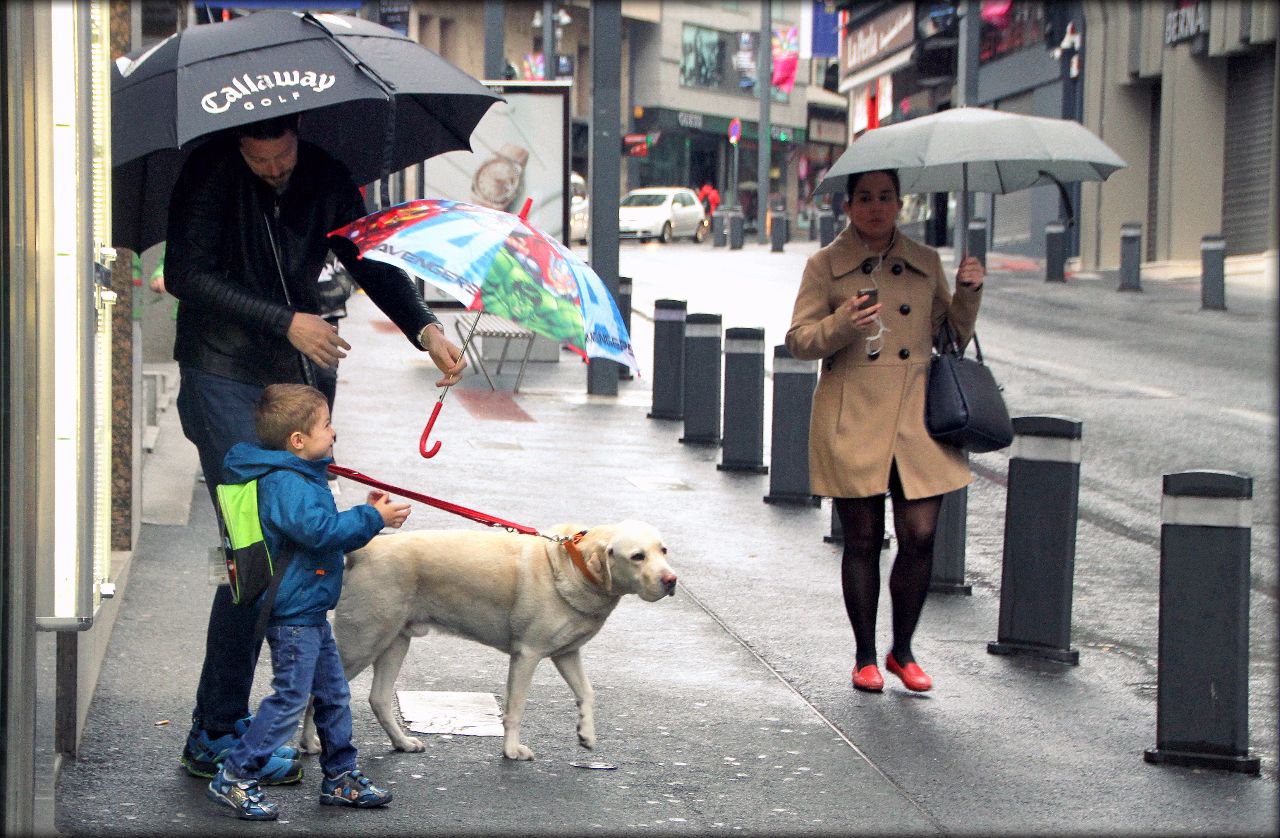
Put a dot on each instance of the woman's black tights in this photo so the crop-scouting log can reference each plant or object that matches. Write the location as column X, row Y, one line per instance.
column 862, row 520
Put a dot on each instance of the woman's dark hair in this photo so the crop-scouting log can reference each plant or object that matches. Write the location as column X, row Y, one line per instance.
column 852, row 182
column 268, row 129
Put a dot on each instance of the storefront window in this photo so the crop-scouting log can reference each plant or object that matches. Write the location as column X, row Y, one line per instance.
column 1008, row 27
column 724, row 61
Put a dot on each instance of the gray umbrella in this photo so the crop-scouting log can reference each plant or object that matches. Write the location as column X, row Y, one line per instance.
column 978, row 150
column 372, row 98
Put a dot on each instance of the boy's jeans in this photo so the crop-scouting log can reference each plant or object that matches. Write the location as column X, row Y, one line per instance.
column 304, row 663
column 217, row 413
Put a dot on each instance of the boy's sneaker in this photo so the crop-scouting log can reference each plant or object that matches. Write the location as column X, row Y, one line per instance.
column 352, row 788
column 202, row 757
column 244, row 796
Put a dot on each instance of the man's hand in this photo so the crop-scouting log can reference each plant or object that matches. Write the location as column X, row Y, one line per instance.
column 970, row 273
column 313, row 337
column 447, row 357
column 393, row 514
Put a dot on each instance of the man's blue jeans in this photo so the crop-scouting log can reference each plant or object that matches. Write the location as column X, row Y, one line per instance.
column 217, row 413
column 304, row 663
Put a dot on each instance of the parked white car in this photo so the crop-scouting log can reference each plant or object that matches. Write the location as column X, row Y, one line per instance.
column 662, row 212
column 579, row 209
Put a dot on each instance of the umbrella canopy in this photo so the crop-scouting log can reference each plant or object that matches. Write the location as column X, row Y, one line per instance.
column 374, row 99
column 500, row 263
column 977, row 150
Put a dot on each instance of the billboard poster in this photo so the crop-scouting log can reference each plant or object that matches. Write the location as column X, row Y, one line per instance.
column 520, row 150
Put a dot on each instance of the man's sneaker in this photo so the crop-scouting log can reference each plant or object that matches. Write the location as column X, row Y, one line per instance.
column 244, row 796
column 202, row 757
column 352, row 788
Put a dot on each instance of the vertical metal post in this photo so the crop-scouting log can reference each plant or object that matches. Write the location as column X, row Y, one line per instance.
column 978, row 239
column 966, row 95
column 702, row 338
column 548, row 40
column 668, row 359
column 718, row 235
column 764, row 136
column 1040, row 539
column 494, row 56
column 793, row 384
column 1202, row 699
column 826, row 228
column 743, row 424
column 1055, row 251
column 949, row 539
column 606, row 166
column 624, row 309
column 813, row 227
column 1130, row 256
column 1213, row 284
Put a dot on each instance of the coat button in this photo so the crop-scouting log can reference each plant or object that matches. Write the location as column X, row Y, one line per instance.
column 904, row 353
column 868, row 266
column 897, row 269
column 904, row 309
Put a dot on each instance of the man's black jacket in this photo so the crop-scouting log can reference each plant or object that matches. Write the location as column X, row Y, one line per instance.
column 234, row 312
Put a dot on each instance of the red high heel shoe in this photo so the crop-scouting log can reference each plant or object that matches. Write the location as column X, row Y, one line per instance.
column 868, row 679
column 913, row 677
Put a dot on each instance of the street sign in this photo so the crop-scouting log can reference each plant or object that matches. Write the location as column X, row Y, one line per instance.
column 735, row 131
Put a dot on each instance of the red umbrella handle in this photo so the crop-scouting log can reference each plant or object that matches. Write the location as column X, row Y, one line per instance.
column 426, row 432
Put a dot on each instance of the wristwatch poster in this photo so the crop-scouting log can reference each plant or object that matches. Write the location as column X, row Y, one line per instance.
column 497, row 180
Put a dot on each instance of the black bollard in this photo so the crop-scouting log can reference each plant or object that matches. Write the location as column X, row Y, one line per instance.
column 793, row 385
column 777, row 233
column 702, row 337
column 718, row 236
column 743, row 448
column 736, row 226
column 826, row 228
column 949, row 543
column 668, row 359
column 1130, row 257
column 1213, row 279
column 1040, row 539
column 786, row 229
column 1055, row 251
column 624, row 309
column 1202, row 681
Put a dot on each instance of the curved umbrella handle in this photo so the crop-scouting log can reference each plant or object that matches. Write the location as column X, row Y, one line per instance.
column 426, row 432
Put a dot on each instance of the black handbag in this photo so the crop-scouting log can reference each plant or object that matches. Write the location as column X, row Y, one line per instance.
column 962, row 404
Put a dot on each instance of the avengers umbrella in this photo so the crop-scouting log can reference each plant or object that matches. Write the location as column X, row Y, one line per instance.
column 977, row 150
column 496, row 262
column 374, row 99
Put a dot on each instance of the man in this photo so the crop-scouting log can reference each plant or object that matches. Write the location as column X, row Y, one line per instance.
column 247, row 237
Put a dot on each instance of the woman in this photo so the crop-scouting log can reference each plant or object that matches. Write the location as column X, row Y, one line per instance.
column 869, row 306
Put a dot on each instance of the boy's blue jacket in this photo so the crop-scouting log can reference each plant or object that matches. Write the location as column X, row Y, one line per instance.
column 296, row 505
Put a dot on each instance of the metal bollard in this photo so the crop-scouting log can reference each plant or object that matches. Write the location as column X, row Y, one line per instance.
column 1202, row 681
column 1130, row 257
column 786, row 230
column 624, row 309
column 949, row 543
column 826, row 228
column 718, row 235
column 668, row 359
column 1040, row 539
column 978, row 239
column 702, row 380
column 743, row 448
column 1213, row 285
column 777, row 233
column 736, row 227
column 1055, row 251
column 793, row 385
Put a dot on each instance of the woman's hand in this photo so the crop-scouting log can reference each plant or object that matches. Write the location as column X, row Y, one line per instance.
column 970, row 274
column 862, row 319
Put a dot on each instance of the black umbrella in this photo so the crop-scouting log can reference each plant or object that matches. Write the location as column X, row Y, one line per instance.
column 341, row 71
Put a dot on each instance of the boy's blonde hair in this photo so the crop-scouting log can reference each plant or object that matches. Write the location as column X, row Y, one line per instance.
column 283, row 409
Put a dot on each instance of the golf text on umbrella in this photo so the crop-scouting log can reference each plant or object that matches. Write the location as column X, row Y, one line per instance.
column 245, row 86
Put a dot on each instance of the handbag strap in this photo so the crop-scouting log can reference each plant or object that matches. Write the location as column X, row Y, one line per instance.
column 946, row 341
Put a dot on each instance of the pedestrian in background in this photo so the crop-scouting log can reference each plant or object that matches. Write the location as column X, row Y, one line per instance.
column 297, row 513
column 248, row 232
column 710, row 198
column 870, row 305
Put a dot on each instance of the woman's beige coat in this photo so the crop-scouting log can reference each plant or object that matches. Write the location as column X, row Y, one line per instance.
column 868, row 413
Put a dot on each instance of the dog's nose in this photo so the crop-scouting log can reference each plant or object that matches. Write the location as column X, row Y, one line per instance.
column 669, row 583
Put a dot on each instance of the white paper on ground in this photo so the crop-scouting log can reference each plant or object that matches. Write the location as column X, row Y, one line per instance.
column 465, row 714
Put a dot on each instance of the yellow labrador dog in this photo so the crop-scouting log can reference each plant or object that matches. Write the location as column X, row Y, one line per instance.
column 524, row 595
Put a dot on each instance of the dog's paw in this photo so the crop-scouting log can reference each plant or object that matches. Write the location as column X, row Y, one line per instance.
column 588, row 742
column 517, row 751
column 410, row 744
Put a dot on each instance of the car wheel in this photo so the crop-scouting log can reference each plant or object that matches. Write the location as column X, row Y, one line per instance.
column 665, row 237
column 700, row 232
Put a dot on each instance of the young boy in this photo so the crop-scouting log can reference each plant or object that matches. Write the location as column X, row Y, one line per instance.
column 296, row 508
